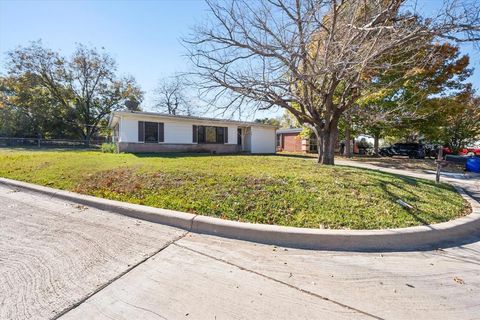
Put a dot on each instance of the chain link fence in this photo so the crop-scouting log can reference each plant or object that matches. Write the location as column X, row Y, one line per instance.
column 11, row 142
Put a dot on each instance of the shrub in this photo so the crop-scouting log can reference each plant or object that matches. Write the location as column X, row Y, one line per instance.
column 109, row 147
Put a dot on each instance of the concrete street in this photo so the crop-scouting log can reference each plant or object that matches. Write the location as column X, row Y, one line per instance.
column 63, row 260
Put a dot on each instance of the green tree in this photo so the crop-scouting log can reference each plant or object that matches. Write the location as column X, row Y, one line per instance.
column 85, row 85
column 403, row 102
column 28, row 110
column 270, row 121
column 458, row 125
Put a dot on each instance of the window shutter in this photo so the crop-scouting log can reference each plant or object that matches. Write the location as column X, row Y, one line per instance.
column 225, row 136
column 160, row 132
column 195, row 134
column 141, row 131
column 201, row 134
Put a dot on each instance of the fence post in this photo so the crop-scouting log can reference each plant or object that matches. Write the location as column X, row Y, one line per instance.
column 439, row 164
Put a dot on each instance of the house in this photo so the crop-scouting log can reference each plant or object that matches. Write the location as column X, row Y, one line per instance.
column 290, row 140
column 135, row 131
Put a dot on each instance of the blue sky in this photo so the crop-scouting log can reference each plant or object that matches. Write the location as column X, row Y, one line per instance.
column 143, row 36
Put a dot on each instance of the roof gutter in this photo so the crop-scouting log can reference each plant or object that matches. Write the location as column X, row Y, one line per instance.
column 191, row 118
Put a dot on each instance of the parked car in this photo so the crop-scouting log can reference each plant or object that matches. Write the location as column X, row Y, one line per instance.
column 412, row 150
column 468, row 151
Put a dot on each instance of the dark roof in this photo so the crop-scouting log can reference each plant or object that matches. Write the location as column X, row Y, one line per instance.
column 165, row 115
column 290, row 130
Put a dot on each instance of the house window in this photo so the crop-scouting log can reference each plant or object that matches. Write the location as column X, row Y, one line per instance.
column 150, row 132
column 279, row 140
column 211, row 135
column 208, row 134
column 313, row 145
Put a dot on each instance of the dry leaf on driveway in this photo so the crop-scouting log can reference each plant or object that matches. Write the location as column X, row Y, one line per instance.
column 458, row 280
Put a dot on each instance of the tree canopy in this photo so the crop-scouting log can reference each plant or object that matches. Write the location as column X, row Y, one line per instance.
column 405, row 102
column 65, row 96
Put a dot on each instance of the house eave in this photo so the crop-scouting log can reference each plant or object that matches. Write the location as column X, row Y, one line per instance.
column 186, row 118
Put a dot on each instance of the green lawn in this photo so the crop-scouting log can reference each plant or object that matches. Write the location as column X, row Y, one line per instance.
column 263, row 189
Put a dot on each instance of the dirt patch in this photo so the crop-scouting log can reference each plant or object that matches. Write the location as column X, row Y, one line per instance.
column 128, row 180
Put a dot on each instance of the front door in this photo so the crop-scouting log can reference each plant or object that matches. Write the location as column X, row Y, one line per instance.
column 239, row 136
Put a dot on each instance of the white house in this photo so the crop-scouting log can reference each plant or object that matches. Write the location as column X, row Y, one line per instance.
column 135, row 131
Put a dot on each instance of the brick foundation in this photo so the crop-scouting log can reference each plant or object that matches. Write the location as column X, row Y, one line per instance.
column 167, row 147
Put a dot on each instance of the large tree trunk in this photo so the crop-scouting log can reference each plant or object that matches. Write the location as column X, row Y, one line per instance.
column 375, row 143
column 88, row 137
column 87, row 142
column 318, row 134
column 326, row 141
column 348, row 149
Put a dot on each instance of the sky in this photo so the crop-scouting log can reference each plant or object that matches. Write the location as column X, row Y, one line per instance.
column 144, row 37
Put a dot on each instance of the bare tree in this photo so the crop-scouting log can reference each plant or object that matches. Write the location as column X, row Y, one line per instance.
column 315, row 57
column 171, row 96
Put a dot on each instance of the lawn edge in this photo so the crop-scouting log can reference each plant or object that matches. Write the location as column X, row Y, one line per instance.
column 400, row 239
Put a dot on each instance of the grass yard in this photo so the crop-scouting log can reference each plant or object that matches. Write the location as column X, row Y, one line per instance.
column 262, row 189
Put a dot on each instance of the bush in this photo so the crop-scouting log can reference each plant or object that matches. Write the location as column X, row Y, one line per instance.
column 109, row 147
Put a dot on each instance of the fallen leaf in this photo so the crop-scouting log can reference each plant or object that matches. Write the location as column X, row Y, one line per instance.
column 458, row 280
column 80, row 207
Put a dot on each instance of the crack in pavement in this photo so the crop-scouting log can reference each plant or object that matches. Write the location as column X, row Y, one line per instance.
column 144, row 309
column 120, row 275
column 281, row 282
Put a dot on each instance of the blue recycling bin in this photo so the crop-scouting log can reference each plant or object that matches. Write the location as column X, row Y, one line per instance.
column 473, row 164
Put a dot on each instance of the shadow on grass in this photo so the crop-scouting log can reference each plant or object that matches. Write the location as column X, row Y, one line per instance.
column 415, row 213
column 297, row 155
column 388, row 186
column 407, row 179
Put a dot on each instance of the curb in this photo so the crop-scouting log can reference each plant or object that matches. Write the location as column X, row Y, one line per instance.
column 402, row 239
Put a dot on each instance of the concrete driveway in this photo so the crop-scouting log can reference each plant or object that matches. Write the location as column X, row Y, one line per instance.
column 62, row 260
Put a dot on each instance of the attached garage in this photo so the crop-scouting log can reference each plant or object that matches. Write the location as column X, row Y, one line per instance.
column 289, row 140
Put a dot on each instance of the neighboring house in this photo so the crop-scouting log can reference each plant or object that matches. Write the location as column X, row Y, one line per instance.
column 156, row 132
column 290, row 140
